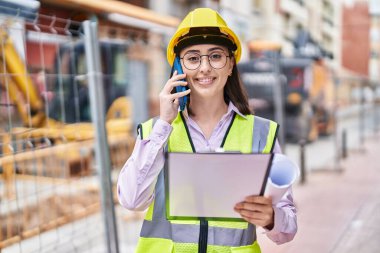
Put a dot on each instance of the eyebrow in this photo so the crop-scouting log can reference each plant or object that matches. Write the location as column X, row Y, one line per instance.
column 210, row 49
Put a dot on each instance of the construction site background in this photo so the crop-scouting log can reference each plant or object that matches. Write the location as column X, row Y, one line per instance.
column 52, row 181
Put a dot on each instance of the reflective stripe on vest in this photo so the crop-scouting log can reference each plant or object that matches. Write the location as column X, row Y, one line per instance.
column 250, row 134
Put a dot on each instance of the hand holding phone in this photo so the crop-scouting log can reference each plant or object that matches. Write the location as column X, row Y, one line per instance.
column 182, row 100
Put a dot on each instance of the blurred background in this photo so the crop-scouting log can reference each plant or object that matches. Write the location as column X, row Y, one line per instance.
column 78, row 76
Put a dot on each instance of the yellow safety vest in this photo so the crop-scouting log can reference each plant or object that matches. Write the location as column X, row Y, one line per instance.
column 159, row 235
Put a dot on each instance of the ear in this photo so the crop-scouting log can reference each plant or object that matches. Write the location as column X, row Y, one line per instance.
column 231, row 65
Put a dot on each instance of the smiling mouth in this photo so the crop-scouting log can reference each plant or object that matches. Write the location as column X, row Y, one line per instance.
column 205, row 80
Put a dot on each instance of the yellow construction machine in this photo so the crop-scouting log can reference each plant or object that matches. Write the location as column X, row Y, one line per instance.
column 50, row 141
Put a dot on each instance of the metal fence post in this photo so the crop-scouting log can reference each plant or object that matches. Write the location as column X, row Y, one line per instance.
column 302, row 144
column 95, row 81
column 344, row 144
column 279, row 110
column 361, row 116
column 336, row 124
column 376, row 100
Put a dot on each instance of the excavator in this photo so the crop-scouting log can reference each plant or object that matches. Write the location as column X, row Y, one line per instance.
column 42, row 135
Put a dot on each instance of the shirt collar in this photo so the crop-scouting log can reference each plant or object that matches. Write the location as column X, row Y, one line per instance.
column 231, row 108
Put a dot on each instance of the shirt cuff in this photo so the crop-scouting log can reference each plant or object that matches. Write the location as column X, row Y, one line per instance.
column 279, row 216
column 161, row 131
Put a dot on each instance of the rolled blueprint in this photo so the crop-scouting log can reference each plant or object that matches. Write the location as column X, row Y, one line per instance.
column 282, row 175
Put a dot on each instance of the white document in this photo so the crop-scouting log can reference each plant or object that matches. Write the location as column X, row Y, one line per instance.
column 210, row 184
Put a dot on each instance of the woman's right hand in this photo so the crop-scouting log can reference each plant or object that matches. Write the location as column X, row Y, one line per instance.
column 169, row 102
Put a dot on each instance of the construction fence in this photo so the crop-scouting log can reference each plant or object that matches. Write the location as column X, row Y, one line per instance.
column 66, row 130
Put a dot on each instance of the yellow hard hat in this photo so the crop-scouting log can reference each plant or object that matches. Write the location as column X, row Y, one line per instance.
column 207, row 20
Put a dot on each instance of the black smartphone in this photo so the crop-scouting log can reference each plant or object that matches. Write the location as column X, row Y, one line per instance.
column 182, row 100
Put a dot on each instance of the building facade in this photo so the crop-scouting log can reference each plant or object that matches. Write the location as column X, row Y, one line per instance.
column 282, row 20
column 355, row 37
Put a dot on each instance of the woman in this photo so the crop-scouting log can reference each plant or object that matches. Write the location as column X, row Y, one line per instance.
column 216, row 115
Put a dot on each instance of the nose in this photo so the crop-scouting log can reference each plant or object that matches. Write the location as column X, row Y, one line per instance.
column 205, row 64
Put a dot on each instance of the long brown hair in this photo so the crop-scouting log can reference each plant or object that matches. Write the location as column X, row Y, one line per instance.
column 235, row 92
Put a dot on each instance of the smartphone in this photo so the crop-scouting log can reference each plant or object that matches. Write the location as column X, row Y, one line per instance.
column 182, row 100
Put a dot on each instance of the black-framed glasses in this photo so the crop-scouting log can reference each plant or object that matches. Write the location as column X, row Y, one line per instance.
column 192, row 60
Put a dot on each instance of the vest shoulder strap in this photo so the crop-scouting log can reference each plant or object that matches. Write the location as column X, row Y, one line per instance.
column 180, row 140
column 144, row 129
column 239, row 137
column 264, row 135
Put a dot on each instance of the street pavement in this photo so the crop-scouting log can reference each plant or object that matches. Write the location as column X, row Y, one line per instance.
column 338, row 209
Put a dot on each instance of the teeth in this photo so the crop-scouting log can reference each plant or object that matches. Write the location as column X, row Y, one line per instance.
column 205, row 80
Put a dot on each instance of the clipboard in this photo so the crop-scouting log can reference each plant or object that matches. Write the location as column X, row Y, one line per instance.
column 208, row 185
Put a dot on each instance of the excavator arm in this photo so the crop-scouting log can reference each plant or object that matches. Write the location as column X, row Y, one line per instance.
column 19, row 85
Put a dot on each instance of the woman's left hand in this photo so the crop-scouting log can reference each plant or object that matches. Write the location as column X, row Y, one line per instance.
column 257, row 210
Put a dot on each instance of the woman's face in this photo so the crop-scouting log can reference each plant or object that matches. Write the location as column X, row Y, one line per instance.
column 207, row 78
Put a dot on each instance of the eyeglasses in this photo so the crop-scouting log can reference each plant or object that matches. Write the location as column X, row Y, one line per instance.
column 192, row 60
